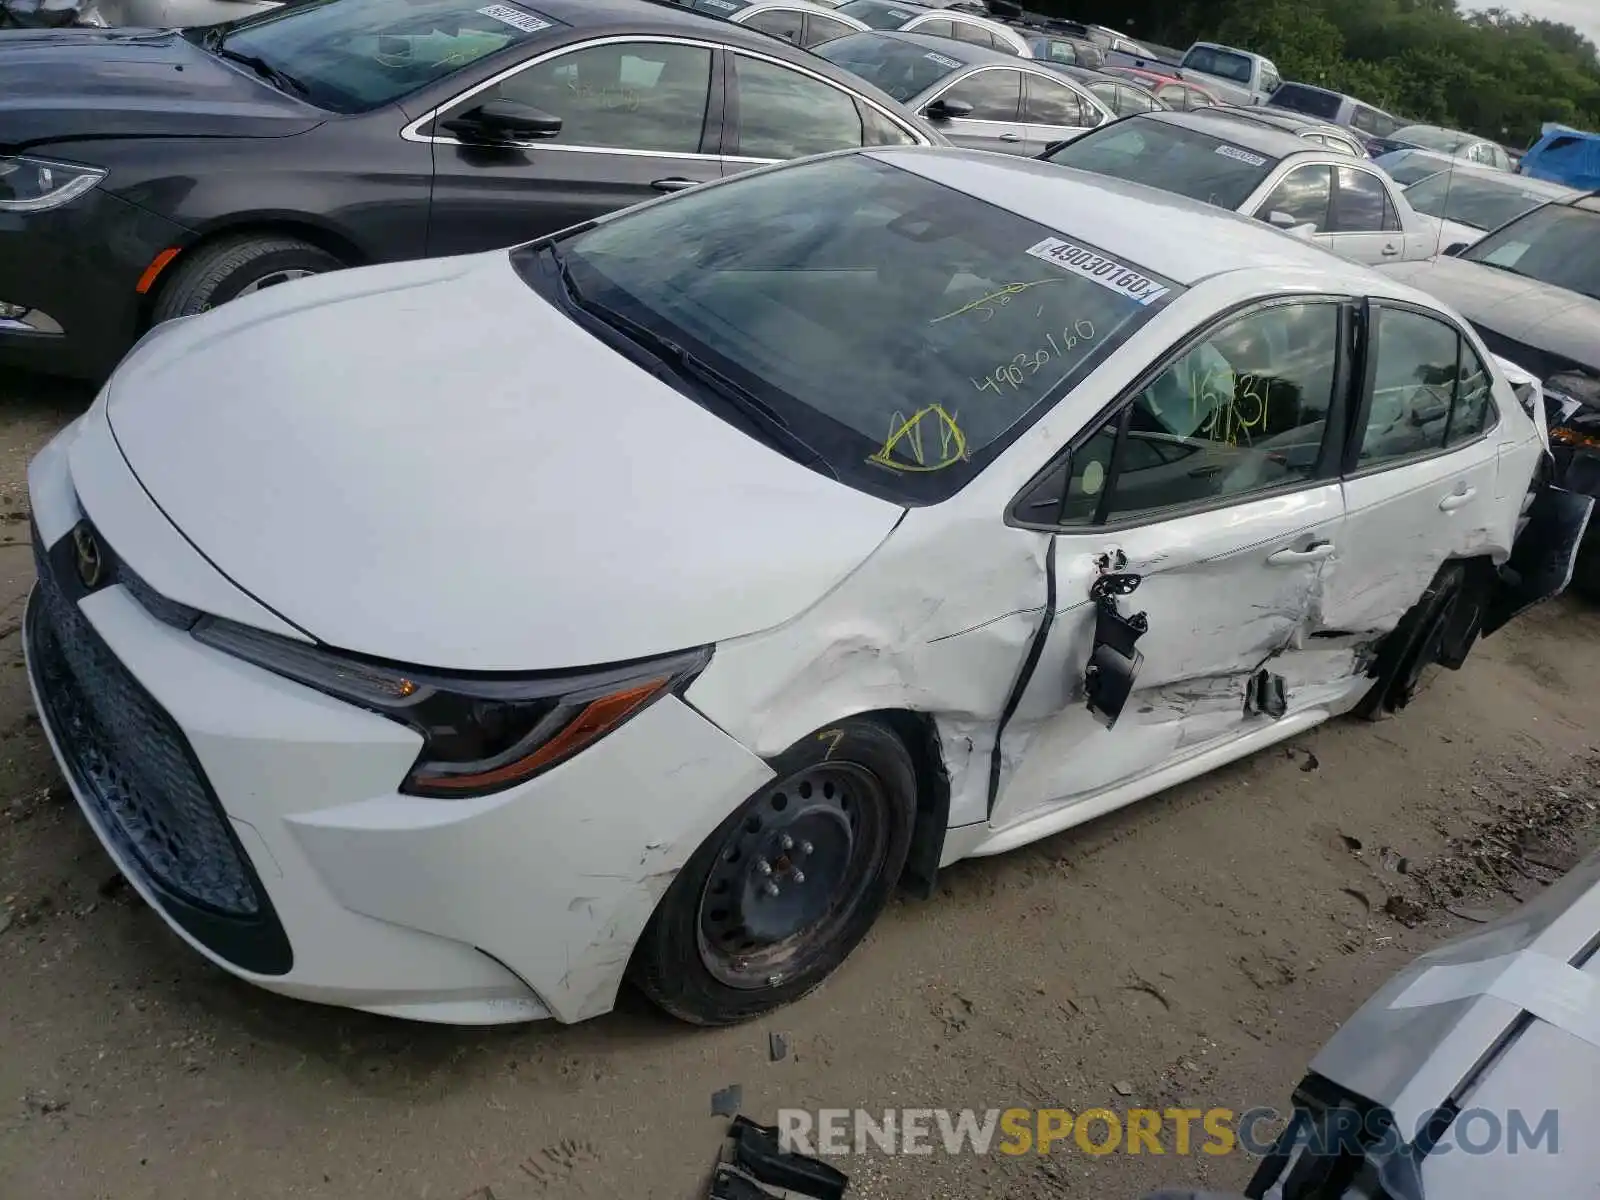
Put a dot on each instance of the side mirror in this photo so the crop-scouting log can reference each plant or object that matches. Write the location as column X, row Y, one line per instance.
column 1281, row 219
column 944, row 109
column 1455, row 248
column 503, row 121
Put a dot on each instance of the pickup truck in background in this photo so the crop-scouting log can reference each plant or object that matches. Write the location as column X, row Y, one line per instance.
column 1233, row 76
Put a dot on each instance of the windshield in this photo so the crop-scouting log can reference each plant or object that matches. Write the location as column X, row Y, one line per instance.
column 903, row 331
column 1447, row 141
column 1557, row 244
column 357, row 55
column 879, row 14
column 1407, row 168
column 1223, row 63
column 1473, row 200
column 1171, row 158
column 903, row 69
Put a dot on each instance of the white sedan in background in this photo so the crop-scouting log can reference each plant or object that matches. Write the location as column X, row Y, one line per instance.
column 1462, row 203
column 1347, row 205
column 453, row 639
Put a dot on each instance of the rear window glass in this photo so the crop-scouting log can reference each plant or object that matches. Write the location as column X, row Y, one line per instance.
column 1224, row 64
column 1407, row 168
column 1314, row 102
column 357, row 55
column 903, row 69
column 1171, row 158
column 879, row 14
column 906, row 331
column 1555, row 244
column 1471, row 200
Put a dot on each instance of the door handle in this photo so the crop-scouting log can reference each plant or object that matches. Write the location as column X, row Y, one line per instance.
column 1457, row 500
column 1010, row 137
column 676, row 184
column 1391, row 250
column 1316, row 552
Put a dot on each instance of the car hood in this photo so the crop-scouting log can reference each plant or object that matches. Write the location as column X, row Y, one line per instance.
column 1545, row 328
column 430, row 463
column 64, row 84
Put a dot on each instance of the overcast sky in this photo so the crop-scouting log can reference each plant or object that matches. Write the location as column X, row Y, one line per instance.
column 1584, row 14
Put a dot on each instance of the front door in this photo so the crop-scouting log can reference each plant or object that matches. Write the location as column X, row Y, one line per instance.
column 638, row 119
column 1422, row 478
column 1363, row 224
column 1213, row 491
column 995, row 122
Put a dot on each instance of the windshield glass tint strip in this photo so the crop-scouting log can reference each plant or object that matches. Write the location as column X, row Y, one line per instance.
column 905, row 331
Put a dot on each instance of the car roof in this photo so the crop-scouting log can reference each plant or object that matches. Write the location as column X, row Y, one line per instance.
column 963, row 52
column 1157, row 230
column 1243, row 132
column 1522, row 183
column 1284, row 118
column 656, row 16
column 823, row 10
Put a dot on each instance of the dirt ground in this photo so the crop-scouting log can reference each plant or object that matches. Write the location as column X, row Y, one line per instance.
column 1194, row 949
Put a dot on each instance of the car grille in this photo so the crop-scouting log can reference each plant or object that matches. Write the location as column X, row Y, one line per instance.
column 131, row 762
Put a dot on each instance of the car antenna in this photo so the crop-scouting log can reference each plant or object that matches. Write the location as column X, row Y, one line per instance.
column 1449, row 180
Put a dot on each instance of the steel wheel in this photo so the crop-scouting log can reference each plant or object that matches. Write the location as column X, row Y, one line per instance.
column 272, row 279
column 789, row 876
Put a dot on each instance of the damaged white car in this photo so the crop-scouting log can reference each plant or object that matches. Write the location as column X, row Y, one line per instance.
column 454, row 639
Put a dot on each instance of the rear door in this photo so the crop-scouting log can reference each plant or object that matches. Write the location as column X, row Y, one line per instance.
column 1363, row 224
column 1421, row 477
column 995, row 123
column 1053, row 112
column 639, row 118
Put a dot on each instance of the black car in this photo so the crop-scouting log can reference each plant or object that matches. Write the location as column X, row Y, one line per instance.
column 151, row 174
column 1532, row 290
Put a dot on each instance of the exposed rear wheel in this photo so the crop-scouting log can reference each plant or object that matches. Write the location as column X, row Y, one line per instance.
column 1415, row 645
column 787, row 886
column 233, row 267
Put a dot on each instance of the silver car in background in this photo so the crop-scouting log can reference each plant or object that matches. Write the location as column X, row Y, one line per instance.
column 935, row 21
column 976, row 97
column 1473, row 1074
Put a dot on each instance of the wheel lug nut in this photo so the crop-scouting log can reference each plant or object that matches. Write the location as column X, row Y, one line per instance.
column 763, row 867
column 806, row 847
column 772, row 889
column 799, row 876
column 786, row 842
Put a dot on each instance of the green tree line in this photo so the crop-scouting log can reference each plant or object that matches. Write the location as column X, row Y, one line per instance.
column 1496, row 73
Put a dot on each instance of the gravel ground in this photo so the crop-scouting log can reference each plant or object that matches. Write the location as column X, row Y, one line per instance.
column 1195, row 949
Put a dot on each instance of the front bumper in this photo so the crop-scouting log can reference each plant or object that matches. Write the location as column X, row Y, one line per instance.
column 261, row 820
column 79, row 265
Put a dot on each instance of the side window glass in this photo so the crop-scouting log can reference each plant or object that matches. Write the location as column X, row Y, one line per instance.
column 1360, row 203
column 939, row 27
column 994, row 95
column 778, row 22
column 1194, row 99
column 1244, row 411
column 1473, row 410
column 1171, row 94
column 1413, row 385
column 784, row 114
column 825, row 29
column 644, row 96
column 1364, row 119
column 1062, row 52
column 1303, row 196
column 974, row 35
column 1134, row 101
column 880, row 130
column 1051, row 103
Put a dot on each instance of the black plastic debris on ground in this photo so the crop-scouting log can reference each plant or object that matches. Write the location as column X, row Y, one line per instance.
column 755, row 1167
column 727, row 1102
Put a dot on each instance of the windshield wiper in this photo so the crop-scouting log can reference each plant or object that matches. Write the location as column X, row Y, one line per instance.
column 686, row 363
column 276, row 76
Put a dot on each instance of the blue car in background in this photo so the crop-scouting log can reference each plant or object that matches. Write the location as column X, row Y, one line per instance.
column 1568, row 156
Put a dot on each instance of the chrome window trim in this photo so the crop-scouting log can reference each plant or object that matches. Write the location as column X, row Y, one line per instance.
column 411, row 131
column 1017, row 42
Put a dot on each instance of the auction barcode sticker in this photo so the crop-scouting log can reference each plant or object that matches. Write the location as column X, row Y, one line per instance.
column 942, row 60
column 1244, row 156
column 1096, row 267
column 515, row 17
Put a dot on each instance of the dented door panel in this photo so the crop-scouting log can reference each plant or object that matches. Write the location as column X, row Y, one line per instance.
column 1217, row 610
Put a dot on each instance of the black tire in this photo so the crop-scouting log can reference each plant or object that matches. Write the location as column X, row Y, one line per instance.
column 215, row 274
column 703, row 957
column 1414, row 645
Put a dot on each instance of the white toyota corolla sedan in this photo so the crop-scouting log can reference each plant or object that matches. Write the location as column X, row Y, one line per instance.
column 454, row 639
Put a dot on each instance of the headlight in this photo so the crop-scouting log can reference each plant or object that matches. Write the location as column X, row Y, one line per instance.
column 480, row 733
column 36, row 184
